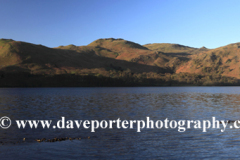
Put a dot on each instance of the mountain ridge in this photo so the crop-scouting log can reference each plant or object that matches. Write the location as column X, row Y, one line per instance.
column 122, row 59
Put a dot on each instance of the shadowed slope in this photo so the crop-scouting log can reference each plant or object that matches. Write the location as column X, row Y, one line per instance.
column 39, row 59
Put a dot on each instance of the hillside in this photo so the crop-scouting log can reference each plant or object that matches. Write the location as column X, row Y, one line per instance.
column 38, row 59
column 223, row 61
column 129, row 51
column 117, row 62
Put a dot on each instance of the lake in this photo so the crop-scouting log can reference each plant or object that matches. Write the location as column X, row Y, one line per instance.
column 130, row 103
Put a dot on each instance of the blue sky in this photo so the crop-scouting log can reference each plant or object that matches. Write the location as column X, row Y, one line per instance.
column 195, row 23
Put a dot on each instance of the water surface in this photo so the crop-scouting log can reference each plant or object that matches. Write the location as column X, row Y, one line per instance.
column 158, row 103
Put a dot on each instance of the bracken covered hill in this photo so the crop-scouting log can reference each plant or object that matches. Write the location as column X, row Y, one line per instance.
column 116, row 62
column 224, row 61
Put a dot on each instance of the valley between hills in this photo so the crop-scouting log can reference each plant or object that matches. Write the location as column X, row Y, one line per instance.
column 117, row 62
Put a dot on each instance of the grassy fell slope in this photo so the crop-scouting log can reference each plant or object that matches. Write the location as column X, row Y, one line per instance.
column 125, row 50
column 175, row 49
column 133, row 52
column 8, row 54
column 122, row 50
column 168, row 47
column 223, row 61
column 116, row 44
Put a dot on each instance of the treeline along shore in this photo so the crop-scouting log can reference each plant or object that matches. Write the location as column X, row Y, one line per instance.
column 69, row 80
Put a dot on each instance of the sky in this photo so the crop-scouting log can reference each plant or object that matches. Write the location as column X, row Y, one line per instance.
column 194, row 23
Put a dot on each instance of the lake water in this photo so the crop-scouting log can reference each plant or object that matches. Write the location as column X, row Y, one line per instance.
column 158, row 103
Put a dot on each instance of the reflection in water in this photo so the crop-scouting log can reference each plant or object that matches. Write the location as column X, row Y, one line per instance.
column 174, row 103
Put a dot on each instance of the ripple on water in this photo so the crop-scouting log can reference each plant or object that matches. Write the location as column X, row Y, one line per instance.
column 174, row 103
